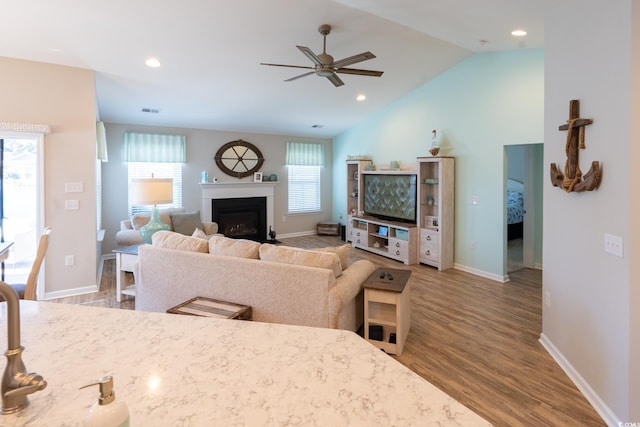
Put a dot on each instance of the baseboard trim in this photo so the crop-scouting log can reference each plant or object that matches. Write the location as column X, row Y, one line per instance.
column 592, row 397
column 298, row 234
column 71, row 292
column 481, row 273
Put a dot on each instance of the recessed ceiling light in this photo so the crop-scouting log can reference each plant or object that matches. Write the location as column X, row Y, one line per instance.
column 361, row 97
column 152, row 62
column 518, row 33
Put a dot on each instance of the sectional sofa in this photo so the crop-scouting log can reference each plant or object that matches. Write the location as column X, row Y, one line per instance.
column 318, row 288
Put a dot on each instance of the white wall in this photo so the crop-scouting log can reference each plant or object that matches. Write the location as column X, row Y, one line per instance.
column 482, row 104
column 64, row 98
column 202, row 146
column 588, row 57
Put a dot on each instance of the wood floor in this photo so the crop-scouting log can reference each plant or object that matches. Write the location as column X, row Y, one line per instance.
column 473, row 338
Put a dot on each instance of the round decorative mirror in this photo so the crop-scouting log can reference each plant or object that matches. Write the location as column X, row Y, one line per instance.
column 239, row 158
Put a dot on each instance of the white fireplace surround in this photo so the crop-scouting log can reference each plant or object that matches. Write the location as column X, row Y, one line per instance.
column 238, row 190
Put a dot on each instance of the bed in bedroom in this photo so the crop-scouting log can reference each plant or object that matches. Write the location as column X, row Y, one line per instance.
column 515, row 209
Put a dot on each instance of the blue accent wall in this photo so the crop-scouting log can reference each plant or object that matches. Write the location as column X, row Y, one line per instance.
column 478, row 106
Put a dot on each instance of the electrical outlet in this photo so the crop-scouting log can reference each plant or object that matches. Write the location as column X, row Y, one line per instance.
column 284, row 218
column 475, row 200
column 613, row 244
column 547, row 298
column 69, row 260
column 472, row 244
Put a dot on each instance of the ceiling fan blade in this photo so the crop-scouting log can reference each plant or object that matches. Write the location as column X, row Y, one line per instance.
column 353, row 59
column 359, row 72
column 300, row 76
column 335, row 80
column 290, row 66
column 309, row 54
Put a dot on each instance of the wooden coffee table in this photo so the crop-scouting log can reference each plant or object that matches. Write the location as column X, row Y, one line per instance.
column 207, row 307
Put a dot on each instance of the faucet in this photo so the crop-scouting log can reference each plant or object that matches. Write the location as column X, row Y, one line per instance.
column 17, row 383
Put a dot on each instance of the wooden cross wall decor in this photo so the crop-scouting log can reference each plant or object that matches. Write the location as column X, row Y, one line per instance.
column 572, row 179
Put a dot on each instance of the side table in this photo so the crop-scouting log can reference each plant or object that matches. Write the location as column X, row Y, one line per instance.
column 126, row 257
column 387, row 309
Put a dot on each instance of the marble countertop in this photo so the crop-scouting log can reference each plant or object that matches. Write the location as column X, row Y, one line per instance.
column 175, row 370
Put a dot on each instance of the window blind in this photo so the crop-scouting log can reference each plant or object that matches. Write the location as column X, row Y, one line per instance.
column 304, row 162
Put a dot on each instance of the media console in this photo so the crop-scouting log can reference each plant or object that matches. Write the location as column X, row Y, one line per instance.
column 391, row 239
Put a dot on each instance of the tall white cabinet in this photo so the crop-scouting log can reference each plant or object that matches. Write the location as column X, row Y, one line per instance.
column 354, row 190
column 436, row 211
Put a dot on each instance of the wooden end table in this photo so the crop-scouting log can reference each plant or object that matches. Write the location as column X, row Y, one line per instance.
column 207, row 307
column 387, row 295
column 126, row 257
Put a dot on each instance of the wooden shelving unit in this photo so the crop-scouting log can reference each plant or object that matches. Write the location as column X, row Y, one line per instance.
column 436, row 211
column 354, row 190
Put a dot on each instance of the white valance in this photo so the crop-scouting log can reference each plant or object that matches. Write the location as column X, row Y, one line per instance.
column 24, row 127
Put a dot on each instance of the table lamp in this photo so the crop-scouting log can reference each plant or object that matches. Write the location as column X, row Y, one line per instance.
column 152, row 191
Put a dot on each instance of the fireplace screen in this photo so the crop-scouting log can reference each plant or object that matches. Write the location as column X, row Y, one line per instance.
column 241, row 218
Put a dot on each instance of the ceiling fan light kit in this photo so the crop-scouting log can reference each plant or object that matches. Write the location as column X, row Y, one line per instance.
column 325, row 66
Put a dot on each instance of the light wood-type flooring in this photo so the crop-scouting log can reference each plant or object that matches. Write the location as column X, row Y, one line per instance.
column 474, row 338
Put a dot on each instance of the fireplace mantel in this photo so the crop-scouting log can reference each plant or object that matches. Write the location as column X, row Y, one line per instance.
column 235, row 190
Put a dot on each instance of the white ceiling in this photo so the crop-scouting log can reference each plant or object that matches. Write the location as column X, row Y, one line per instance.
column 210, row 50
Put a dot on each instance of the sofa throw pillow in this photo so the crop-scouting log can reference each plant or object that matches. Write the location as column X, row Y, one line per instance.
column 186, row 223
column 173, row 240
column 342, row 251
column 200, row 234
column 297, row 256
column 140, row 219
column 220, row 245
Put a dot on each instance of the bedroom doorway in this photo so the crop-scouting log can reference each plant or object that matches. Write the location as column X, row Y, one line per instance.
column 523, row 184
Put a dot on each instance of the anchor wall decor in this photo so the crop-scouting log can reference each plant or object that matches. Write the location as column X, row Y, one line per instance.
column 572, row 179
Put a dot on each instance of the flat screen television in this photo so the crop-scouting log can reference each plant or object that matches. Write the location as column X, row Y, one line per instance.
column 391, row 196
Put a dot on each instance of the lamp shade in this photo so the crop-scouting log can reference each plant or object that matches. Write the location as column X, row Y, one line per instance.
column 151, row 191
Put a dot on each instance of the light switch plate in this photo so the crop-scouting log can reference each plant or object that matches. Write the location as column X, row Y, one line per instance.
column 73, row 187
column 71, row 205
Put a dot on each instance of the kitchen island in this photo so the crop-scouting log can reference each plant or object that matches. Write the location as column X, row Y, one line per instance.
column 174, row 370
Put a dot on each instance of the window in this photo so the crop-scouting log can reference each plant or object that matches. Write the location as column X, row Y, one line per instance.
column 304, row 163
column 158, row 156
column 304, row 189
column 158, row 170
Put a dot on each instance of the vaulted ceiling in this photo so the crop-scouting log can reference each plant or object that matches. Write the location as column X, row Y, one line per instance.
column 210, row 53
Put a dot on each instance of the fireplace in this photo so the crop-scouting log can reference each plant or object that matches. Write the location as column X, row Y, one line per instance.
column 241, row 218
column 239, row 190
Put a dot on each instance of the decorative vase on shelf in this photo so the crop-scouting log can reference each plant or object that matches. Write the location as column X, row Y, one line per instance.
column 434, row 144
column 272, row 234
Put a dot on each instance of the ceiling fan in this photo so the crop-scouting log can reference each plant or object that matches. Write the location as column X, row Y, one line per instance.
column 325, row 66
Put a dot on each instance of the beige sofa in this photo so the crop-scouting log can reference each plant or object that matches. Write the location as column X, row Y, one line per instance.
column 278, row 287
column 129, row 233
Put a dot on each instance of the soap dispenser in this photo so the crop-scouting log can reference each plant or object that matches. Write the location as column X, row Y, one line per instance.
column 107, row 411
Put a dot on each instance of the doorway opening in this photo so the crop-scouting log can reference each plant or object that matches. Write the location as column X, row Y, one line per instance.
column 19, row 203
column 523, row 184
